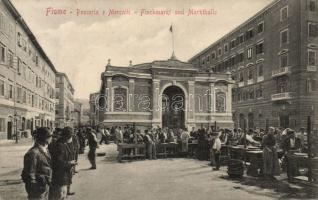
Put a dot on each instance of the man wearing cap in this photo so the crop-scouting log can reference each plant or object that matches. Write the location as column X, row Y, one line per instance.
column 63, row 162
column 37, row 170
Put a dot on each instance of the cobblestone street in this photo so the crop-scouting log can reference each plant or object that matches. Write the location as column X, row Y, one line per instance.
column 146, row 180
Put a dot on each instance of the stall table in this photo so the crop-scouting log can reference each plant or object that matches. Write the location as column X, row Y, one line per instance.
column 131, row 151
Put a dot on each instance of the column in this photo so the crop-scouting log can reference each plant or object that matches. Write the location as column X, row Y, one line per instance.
column 109, row 94
column 131, row 95
column 229, row 99
column 212, row 101
column 155, row 105
column 191, row 103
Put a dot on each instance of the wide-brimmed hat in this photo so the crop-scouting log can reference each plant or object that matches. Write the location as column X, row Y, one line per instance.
column 67, row 132
column 43, row 133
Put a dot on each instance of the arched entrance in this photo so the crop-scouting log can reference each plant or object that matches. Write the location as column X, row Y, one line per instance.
column 173, row 107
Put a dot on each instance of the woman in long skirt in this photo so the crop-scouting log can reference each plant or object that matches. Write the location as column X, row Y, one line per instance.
column 271, row 166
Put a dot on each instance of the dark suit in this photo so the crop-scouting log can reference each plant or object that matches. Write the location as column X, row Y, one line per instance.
column 287, row 145
column 61, row 157
column 37, row 173
column 292, row 168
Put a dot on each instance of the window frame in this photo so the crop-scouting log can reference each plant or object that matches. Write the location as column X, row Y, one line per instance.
column 281, row 37
column 281, row 13
column 249, row 49
column 315, row 57
column 257, row 49
column 280, row 60
column 3, row 58
column 261, row 65
column 219, row 50
column 263, row 27
column 308, row 29
column 226, row 47
column 315, row 6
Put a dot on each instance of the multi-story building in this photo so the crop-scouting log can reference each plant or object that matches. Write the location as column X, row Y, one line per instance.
column 273, row 59
column 64, row 105
column 78, row 112
column 93, row 109
column 27, row 77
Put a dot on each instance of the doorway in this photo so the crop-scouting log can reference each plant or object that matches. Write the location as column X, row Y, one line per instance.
column 173, row 107
column 9, row 130
column 284, row 121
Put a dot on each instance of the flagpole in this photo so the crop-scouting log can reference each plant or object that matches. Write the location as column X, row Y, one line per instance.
column 172, row 40
column 171, row 30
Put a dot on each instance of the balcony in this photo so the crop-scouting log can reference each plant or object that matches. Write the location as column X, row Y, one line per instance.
column 250, row 82
column 311, row 68
column 260, row 79
column 280, row 71
column 281, row 96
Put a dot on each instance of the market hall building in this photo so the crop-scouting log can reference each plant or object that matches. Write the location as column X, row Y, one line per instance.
column 166, row 93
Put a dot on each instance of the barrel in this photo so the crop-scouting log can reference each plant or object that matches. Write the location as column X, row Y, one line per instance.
column 235, row 168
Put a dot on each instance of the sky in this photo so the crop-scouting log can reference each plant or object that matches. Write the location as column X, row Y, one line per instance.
column 80, row 45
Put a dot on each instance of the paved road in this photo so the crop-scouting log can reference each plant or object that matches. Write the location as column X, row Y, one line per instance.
column 162, row 179
column 173, row 179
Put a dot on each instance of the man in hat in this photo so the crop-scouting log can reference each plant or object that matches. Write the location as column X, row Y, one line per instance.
column 63, row 163
column 37, row 170
column 92, row 144
column 216, row 150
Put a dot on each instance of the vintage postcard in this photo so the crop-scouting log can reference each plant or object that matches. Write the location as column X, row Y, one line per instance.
column 158, row 99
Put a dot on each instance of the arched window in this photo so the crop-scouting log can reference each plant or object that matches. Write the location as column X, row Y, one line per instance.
column 220, row 102
column 120, row 99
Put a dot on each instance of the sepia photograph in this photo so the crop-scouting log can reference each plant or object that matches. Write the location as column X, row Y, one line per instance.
column 158, row 99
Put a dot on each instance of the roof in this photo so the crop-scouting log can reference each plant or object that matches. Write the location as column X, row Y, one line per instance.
column 164, row 64
column 235, row 29
column 28, row 31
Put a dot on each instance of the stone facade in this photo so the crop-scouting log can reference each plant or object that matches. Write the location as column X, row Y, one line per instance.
column 273, row 59
column 64, row 107
column 167, row 93
column 93, row 109
column 27, row 77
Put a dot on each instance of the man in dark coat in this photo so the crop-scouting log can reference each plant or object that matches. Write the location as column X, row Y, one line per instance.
column 291, row 144
column 63, row 162
column 37, row 170
column 92, row 143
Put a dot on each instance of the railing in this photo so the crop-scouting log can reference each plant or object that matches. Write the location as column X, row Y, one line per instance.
column 311, row 68
column 260, row 79
column 281, row 96
column 250, row 81
column 281, row 71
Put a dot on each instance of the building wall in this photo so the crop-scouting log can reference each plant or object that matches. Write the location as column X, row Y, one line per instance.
column 143, row 94
column 296, row 101
column 65, row 101
column 27, row 80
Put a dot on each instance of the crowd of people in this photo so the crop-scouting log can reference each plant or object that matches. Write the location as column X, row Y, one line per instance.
column 211, row 139
column 50, row 164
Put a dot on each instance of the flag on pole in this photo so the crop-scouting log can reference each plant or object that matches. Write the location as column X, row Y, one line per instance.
column 171, row 30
